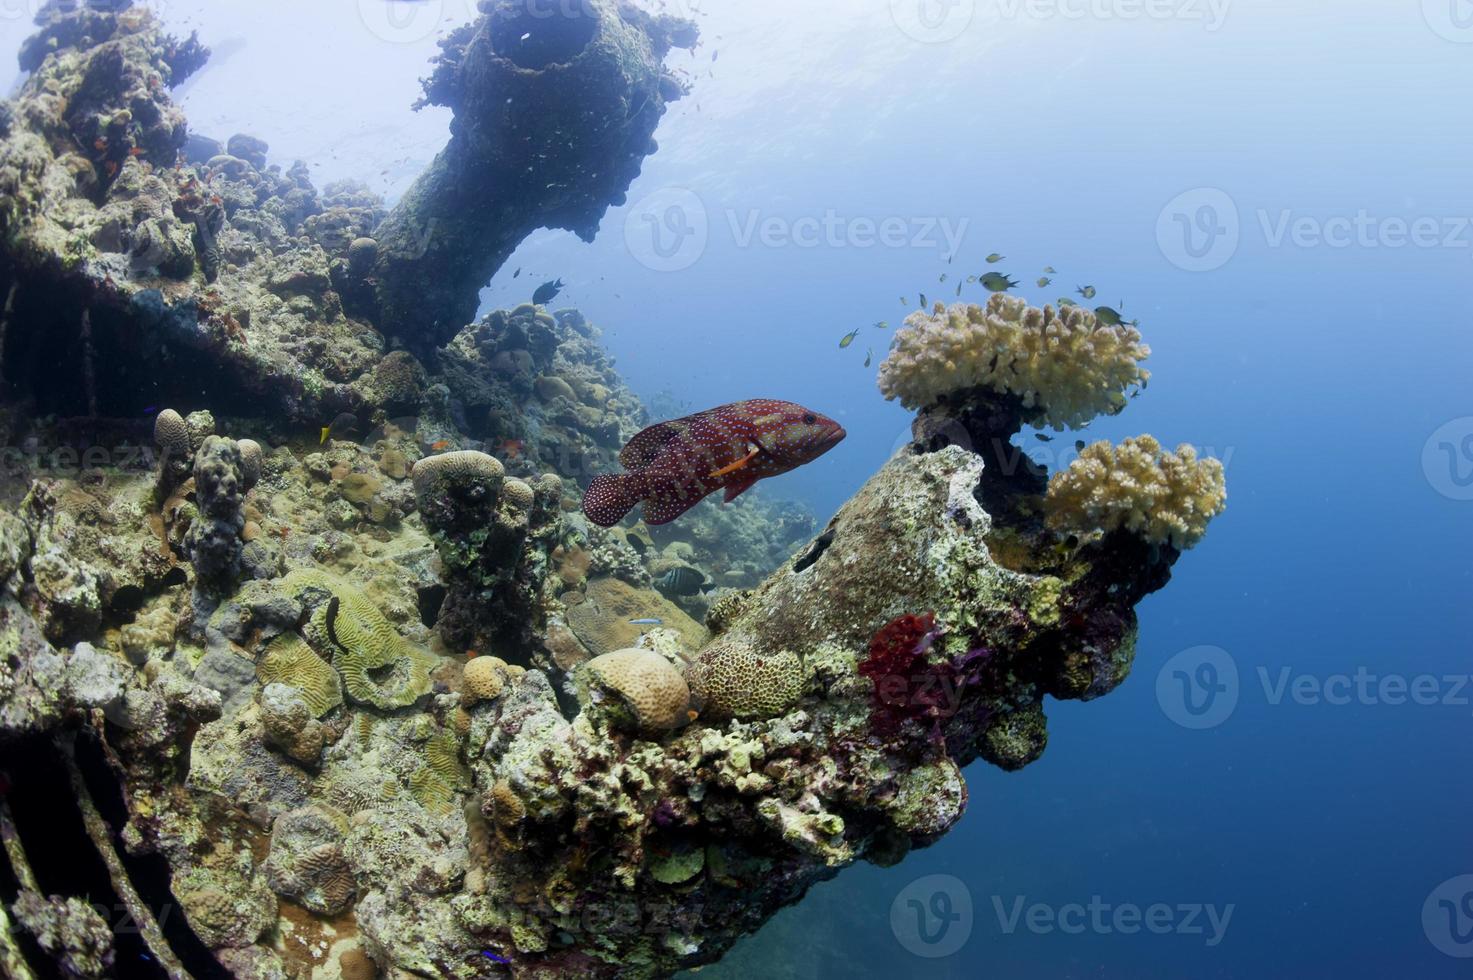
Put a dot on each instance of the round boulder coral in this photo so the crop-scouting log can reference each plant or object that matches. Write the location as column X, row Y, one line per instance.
column 518, row 494
column 250, row 462
column 645, row 691
column 483, row 679
column 733, row 681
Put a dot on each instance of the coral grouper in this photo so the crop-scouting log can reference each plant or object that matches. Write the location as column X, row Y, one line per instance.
column 673, row 465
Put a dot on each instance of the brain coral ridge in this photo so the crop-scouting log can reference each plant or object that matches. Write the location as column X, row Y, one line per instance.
column 378, row 666
column 1165, row 497
column 1065, row 364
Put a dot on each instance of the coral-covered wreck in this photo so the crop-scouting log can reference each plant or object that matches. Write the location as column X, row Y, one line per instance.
column 369, row 701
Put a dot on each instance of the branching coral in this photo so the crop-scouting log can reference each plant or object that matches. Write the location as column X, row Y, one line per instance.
column 1065, row 365
column 1164, row 497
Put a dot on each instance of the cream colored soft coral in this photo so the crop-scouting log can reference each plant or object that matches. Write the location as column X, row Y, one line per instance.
column 1063, row 362
column 1166, row 498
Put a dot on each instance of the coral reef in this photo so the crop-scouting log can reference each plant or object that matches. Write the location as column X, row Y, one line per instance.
column 1063, row 365
column 1164, row 497
column 361, row 681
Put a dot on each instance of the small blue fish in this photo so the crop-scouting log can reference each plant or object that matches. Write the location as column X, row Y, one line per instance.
column 492, row 956
column 647, row 622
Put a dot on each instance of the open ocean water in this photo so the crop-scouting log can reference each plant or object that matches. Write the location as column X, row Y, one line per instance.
column 1281, row 192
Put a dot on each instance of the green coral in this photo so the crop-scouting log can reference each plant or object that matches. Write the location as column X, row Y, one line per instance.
column 378, row 666
column 289, row 660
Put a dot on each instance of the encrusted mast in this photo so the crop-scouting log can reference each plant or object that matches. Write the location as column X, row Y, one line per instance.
column 378, row 693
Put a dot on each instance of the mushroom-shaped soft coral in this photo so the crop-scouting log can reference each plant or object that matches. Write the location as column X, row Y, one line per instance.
column 1064, row 365
column 1166, row 498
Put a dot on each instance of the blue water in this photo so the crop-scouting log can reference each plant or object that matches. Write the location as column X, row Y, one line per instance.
column 1318, row 372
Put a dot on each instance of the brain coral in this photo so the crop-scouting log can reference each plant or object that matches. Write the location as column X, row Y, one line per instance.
column 289, row 660
column 518, row 493
column 1063, row 363
column 734, row 681
column 651, row 687
column 483, row 679
column 1166, row 498
column 378, row 666
column 171, row 434
column 464, row 472
column 250, row 462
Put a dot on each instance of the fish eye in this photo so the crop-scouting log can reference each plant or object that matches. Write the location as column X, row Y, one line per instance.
column 809, row 419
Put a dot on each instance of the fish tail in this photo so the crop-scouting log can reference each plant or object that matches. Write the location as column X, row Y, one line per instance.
column 609, row 497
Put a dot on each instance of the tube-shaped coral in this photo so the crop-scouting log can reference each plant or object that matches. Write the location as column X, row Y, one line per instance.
column 1166, row 498
column 1064, row 364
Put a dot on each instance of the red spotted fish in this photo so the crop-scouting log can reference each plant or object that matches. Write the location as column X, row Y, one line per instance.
column 674, row 465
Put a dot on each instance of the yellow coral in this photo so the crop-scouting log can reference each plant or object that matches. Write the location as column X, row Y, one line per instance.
column 1064, row 363
column 289, row 660
column 483, row 679
column 733, row 681
column 651, row 687
column 378, row 666
column 518, row 493
column 1166, row 498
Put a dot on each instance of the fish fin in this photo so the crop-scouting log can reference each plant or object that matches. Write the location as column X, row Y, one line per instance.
column 735, row 490
column 738, row 464
column 647, row 445
column 323, row 437
column 609, row 497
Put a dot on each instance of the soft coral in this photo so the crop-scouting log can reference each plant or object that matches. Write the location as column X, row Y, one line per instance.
column 908, row 685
